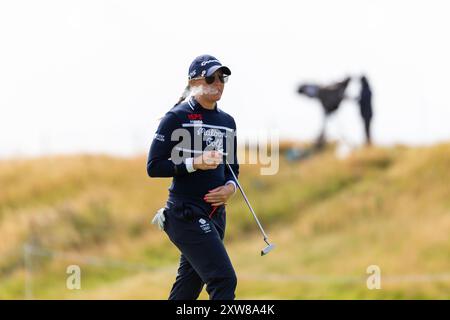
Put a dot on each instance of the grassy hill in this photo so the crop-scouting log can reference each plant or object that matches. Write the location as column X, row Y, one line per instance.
column 330, row 219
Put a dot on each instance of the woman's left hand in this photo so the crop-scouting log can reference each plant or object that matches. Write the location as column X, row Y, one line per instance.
column 219, row 195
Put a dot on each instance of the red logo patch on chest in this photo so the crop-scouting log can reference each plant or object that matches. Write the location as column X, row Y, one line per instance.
column 195, row 116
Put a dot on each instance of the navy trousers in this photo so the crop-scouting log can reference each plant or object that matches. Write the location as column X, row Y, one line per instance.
column 204, row 259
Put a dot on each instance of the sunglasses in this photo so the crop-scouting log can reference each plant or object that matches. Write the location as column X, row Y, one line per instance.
column 212, row 79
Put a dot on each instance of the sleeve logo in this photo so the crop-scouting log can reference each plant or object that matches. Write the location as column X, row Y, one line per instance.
column 159, row 137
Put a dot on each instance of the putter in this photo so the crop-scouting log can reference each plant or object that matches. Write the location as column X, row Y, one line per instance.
column 270, row 246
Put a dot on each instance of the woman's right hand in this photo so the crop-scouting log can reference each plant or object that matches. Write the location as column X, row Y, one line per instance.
column 208, row 160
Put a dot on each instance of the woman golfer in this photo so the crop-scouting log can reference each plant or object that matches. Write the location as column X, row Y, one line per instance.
column 191, row 144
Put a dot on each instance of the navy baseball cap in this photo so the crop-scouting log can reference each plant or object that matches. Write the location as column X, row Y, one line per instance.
column 205, row 65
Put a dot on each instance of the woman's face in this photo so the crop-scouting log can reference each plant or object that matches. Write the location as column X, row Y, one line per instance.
column 211, row 92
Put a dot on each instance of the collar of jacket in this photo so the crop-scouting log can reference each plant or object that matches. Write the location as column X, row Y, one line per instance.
column 196, row 106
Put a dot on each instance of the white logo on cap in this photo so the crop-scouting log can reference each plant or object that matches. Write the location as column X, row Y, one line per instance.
column 204, row 63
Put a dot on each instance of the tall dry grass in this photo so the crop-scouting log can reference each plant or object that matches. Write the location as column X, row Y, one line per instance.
column 330, row 219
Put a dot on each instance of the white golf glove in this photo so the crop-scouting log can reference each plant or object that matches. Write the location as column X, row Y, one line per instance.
column 159, row 219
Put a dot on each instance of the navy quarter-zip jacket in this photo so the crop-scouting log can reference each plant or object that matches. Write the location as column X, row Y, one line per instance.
column 202, row 129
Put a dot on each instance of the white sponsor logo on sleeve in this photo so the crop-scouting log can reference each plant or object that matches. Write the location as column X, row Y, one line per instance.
column 159, row 137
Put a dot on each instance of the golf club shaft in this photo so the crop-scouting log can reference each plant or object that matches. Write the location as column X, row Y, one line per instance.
column 248, row 203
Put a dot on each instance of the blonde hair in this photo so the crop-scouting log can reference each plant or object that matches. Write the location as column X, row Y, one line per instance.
column 184, row 95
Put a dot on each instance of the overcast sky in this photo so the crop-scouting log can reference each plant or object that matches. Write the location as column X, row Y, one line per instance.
column 95, row 76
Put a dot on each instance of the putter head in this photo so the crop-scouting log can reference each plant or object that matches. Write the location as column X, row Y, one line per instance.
column 267, row 249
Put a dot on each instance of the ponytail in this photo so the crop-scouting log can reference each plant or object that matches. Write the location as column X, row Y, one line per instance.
column 184, row 95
